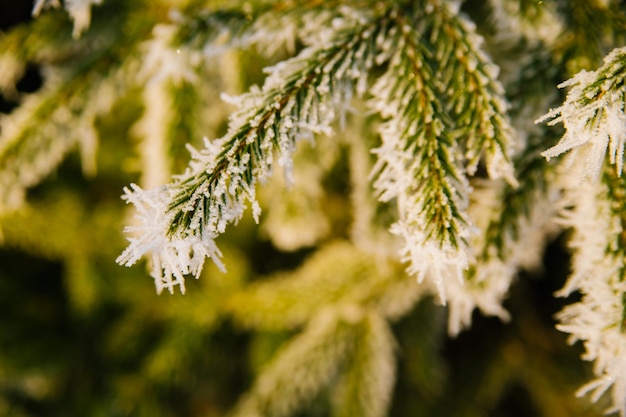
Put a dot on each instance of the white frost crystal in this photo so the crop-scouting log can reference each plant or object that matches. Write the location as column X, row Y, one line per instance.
column 171, row 258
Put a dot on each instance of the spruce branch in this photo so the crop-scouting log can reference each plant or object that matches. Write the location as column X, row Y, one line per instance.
column 296, row 102
column 597, row 320
column 513, row 222
column 433, row 135
column 595, row 124
column 300, row 98
column 476, row 98
column 415, row 161
column 593, row 116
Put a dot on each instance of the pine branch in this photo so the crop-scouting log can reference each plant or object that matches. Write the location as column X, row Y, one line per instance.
column 597, row 273
column 593, row 117
column 421, row 163
column 299, row 99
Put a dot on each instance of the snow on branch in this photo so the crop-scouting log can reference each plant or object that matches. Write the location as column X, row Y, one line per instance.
column 434, row 134
column 595, row 124
column 593, row 116
column 300, row 98
column 596, row 215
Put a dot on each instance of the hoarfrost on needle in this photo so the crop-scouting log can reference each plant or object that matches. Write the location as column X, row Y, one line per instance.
column 593, row 116
column 171, row 257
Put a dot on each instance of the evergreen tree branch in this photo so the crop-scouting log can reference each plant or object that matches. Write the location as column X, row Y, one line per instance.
column 479, row 106
column 593, row 117
column 414, row 162
column 598, row 274
column 421, row 163
column 299, row 99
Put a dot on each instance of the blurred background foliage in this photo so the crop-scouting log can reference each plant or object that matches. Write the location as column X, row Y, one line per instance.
column 83, row 336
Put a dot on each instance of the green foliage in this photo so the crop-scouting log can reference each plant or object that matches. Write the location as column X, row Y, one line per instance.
column 316, row 315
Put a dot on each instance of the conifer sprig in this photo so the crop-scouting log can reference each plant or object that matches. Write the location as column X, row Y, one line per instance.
column 297, row 101
column 593, row 116
column 434, row 135
column 597, row 274
column 416, row 156
column 300, row 98
column 476, row 97
column 595, row 124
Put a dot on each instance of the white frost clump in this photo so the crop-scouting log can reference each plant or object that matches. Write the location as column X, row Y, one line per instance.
column 426, row 258
column 171, row 257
